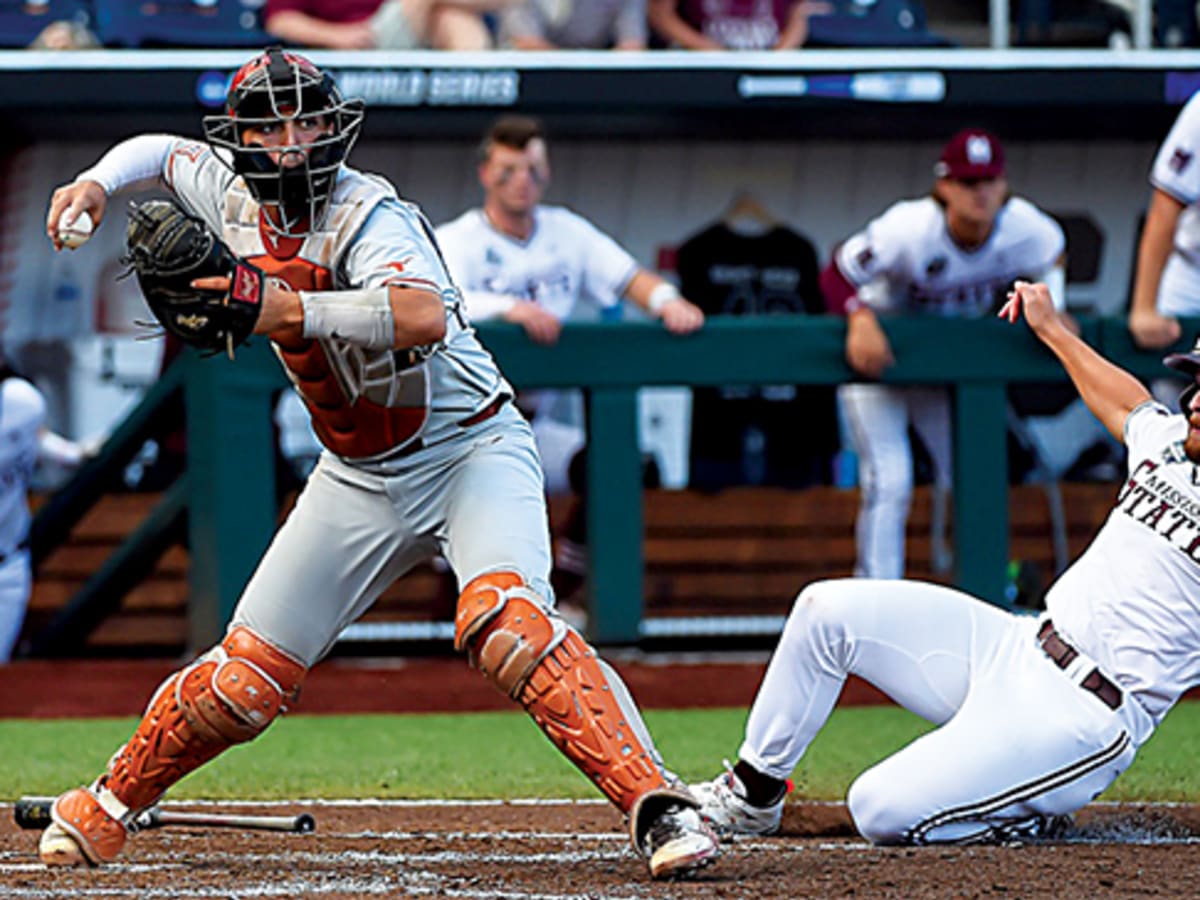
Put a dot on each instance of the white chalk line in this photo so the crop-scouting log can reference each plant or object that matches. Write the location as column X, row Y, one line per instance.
column 487, row 835
column 324, row 881
column 416, row 803
column 355, row 887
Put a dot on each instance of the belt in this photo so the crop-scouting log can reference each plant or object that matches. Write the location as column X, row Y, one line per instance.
column 1062, row 654
column 486, row 413
column 476, row 418
column 24, row 545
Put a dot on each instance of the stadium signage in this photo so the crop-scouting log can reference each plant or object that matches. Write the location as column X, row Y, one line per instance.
column 431, row 87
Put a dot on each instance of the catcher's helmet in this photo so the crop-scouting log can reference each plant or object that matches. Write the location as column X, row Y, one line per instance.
column 280, row 85
column 1189, row 365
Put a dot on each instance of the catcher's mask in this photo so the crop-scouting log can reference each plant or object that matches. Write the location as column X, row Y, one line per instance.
column 279, row 86
column 1189, row 365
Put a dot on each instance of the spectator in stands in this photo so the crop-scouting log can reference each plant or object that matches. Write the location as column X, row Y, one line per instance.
column 390, row 24
column 733, row 24
column 575, row 25
column 1167, row 281
column 535, row 266
column 953, row 253
column 24, row 441
column 65, row 34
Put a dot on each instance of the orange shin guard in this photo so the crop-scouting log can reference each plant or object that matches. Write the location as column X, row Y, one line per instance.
column 228, row 696
column 546, row 666
column 570, row 697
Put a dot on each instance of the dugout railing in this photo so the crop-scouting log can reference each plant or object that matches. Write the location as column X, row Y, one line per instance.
column 227, row 496
column 230, row 482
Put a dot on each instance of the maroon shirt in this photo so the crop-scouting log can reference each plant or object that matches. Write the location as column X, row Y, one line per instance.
column 340, row 11
column 738, row 24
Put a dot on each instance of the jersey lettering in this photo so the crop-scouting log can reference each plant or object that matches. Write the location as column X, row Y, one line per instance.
column 1149, row 499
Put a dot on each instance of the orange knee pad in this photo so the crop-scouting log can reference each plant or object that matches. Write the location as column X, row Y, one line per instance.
column 535, row 658
column 502, row 623
column 226, row 697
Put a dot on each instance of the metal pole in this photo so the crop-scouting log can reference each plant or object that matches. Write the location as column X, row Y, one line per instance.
column 1143, row 25
column 999, row 24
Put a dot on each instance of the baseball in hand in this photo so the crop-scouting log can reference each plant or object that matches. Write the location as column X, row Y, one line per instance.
column 76, row 233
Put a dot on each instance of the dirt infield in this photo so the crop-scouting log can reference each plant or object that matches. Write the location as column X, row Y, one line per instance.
column 578, row 850
column 552, row 851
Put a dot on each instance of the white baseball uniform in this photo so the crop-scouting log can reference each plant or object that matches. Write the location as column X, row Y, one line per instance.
column 905, row 262
column 423, row 453
column 567, row 262
column 22, row 414
column 1176, row 171
column 1021, row 737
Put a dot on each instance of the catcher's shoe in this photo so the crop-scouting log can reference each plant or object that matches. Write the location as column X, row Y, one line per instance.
column 668, row 831
column 84, row 830
column 724, row 806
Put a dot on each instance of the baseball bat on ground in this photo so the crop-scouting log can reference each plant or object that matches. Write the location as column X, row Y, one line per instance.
column 34, row 812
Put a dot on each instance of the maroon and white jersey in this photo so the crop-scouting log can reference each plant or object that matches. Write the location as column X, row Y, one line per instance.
column 1177, row 172
column 1132, row 600
column 564, row 261
column 905, row 260
column 365, row 404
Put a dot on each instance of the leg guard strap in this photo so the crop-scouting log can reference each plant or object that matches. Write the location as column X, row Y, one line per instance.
column 228, row 696
column 530, row 654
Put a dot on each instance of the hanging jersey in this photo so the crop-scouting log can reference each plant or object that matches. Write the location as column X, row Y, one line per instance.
column 22, row 414
column 905, row 261
column 1132, row 601
column 565, row 260
column 1177, row 172
column 365, row 404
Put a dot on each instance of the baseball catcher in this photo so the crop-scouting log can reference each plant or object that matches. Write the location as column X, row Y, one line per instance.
column 424, row 453
column 168, row 250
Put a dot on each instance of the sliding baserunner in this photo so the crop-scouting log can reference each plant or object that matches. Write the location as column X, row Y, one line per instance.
column 1037, row 716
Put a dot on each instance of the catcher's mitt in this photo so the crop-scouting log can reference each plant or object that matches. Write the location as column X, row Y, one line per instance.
column 168, row 249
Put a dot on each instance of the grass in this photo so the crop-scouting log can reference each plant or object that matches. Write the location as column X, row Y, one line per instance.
column 502, row 755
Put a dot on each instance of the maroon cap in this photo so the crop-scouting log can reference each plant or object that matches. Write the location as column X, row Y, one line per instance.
column 972, row 153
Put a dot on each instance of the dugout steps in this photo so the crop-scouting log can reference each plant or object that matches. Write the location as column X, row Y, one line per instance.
column 741, row 552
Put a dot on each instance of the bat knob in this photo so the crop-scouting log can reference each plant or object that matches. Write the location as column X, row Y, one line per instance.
column 305, row 824
column 33, row 812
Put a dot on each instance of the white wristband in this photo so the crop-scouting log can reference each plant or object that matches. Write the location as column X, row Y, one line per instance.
column 362, row 317
column 662, row 294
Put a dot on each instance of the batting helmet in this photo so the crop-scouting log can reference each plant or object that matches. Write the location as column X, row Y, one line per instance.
column 275, row 86
column 1189, row 365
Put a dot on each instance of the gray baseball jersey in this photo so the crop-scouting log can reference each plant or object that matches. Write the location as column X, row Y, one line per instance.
column 424, row 455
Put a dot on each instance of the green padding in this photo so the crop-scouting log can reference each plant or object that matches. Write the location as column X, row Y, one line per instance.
column 232, row 504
